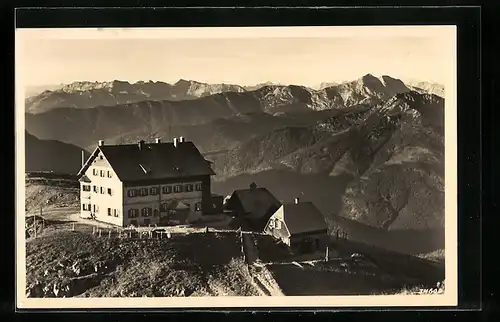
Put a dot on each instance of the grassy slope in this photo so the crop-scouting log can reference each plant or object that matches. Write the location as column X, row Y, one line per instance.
column 191, row 265
column 377, row 271
column 58, row 192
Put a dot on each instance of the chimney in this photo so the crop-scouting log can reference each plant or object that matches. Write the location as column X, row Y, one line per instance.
column 296, row 201
column 253, row 185
column 157, row 140
column 175, row 142
column 181, row 139
column 101, row 142
column 140, row 144
column 83, row 158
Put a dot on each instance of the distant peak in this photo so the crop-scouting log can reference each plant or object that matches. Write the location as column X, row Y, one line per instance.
column 368, row 76
column 185, row 81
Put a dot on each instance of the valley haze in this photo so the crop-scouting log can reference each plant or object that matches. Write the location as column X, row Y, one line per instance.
column 365, row 135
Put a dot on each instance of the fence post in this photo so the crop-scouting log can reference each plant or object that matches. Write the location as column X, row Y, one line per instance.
column 73, row 229
column 100, row 232
column 326, row 255
column 109, row 234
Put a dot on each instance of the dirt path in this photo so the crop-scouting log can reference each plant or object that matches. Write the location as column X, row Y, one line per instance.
column 249, row 249
column 261, row 276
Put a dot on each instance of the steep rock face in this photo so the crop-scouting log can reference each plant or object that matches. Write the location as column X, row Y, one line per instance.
column 197, row 89
column 367, row 89
column 427, row 87
column 403, row 187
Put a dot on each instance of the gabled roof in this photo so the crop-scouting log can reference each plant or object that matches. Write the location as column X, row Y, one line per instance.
column 153, row 161
column 84, row 178
column 303, row 217
column 256, row 202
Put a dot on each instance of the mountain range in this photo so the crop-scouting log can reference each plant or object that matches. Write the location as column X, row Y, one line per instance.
column 369, row 151
column 84, row 94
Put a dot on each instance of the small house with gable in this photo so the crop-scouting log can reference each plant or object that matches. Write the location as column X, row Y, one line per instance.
column 299, row 225
column 253, row 207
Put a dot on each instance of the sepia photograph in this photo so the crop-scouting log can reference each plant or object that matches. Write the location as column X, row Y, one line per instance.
column 236, row 167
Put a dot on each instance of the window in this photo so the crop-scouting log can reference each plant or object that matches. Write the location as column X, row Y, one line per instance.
column 102, row 190
column 96, row 208
column 275, row 224
column 109, row 191
column 189, row 187
column 102, row 173
column 198, row 187
column 84, row 206
column 178, row 188
column 133, row 213
column 109, row 211
column 100, row 157
column 143, row 192
column 146, row 212
column 197, row 206
column 89, row 207
column 133, row 222
column 167, row 189
column 163, row 207
column 110, row 174
column 131, row 193
column 95, row 172
column 86, row 188
column 156, row 213
column 95, row 189
column 115, row 212
column 153, row 191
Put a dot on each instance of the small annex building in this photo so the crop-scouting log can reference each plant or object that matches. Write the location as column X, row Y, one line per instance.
column 252, row 207
column 299, row 225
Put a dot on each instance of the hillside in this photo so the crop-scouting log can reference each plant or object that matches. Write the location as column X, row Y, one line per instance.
column 381, row 165
column 49, row 191
column 84, row 95
column 51, row 155
column 67, row 263
column 223, row 133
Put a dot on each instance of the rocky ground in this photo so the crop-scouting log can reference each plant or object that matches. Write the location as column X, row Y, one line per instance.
column 75, row 263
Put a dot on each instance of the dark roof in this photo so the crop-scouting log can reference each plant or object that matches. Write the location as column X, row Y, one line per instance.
column 303, row 217
column 155, row 161
column 256, row 202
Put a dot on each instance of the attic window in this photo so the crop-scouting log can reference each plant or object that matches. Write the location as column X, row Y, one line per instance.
column 100, row 157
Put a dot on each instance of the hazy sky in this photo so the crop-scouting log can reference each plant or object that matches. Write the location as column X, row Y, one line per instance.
column 248, row 60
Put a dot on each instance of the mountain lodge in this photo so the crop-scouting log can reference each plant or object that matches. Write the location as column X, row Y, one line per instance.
column 146, row 183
